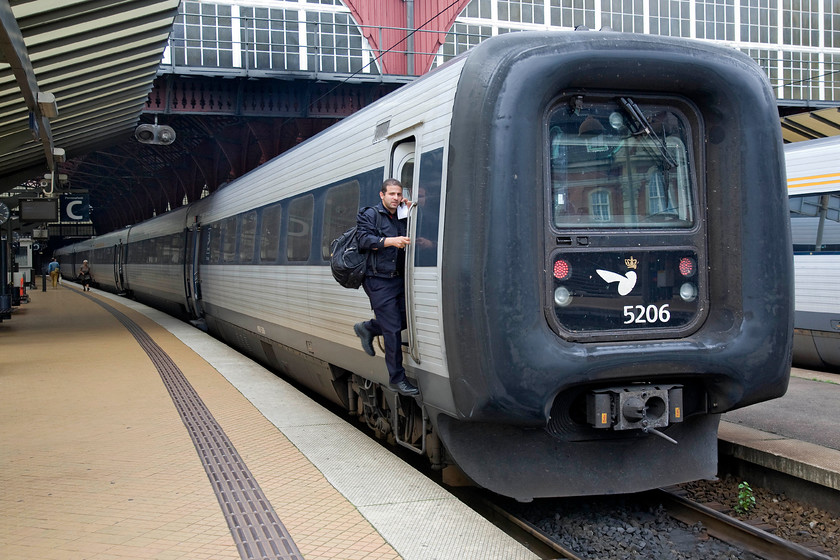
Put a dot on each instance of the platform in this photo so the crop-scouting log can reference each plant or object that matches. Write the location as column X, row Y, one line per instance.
column 99, row 460
column 795, row 435
column 110, row 454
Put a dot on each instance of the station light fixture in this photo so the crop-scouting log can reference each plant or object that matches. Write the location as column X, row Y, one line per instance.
column 156, row 134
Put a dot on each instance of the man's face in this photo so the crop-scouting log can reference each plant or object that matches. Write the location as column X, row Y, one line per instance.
column 391, row 198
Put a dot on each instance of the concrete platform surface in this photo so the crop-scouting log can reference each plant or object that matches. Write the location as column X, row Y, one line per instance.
column 96, row 464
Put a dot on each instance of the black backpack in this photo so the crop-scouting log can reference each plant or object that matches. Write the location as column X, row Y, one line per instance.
column 347, row 263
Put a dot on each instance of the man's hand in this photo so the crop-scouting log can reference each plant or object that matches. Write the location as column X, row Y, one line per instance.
column 398, row 242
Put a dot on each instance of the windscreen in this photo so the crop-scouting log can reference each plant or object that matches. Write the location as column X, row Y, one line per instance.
column 616, row 163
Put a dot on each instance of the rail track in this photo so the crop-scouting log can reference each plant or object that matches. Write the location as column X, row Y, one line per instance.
column 735, row 531
column 730, row 530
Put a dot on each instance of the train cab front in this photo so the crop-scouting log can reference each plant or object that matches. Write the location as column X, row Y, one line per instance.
column 636, row 276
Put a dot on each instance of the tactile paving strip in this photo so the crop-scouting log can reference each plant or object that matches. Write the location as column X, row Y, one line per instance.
column 255, row 526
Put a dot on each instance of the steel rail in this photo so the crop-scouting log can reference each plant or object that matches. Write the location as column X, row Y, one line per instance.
column 734, row 531
column 519, row 529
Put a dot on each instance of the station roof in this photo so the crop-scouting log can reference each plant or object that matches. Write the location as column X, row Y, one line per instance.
column 96, row 59
column 812, row 125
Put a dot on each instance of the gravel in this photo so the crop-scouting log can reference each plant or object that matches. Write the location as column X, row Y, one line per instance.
column 627, row 528
column 624, row 528
column 789, row 519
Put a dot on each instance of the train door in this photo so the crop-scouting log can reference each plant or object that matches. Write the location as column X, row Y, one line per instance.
column 192, row 280
column 403, row 169
column 119, row 257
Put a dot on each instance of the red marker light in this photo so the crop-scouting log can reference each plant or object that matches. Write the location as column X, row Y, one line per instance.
column 562, row 270
column 687, row 267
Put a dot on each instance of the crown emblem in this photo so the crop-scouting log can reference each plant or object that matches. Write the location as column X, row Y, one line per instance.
column 631, row 262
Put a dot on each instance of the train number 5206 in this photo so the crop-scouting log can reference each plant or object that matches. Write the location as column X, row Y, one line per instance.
column 646, row 314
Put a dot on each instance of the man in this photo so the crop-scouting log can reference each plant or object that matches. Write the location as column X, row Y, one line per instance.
column 54, row 272
column 84, row 273
column 383, row 238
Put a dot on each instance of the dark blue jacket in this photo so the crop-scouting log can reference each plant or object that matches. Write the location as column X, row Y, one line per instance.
column 385, row 262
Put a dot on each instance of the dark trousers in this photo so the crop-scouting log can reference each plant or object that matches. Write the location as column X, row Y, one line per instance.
column 387, row 298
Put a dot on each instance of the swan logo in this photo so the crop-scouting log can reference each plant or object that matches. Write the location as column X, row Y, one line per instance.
column 626, row 282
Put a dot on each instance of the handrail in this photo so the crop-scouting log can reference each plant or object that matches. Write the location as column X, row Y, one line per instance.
column 410, row 315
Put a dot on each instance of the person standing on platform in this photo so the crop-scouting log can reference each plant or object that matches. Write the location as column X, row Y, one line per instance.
column 84, row 274
column 54, row 272
column 382, row 235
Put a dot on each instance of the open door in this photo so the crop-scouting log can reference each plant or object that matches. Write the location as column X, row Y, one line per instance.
column 119, row 259
column 192, row 279
column 403, row 169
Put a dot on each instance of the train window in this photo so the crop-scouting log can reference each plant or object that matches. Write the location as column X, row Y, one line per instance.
column 229, row 240
column 210, row 244
column 402, row 164
column 147, row 249
column 166, row 253
column 616, row 164
column 299, row 228
column 176, row 244
column 247, row 236
column 340, row 210
column 815, row 222
column 270, row 233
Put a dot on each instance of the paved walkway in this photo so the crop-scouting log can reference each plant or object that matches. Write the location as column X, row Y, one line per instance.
column 97, row 464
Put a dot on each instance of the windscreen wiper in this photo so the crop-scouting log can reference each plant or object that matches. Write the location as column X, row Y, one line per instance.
column 640, row 125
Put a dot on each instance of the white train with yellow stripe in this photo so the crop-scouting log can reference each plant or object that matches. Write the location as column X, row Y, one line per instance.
column 813, row 171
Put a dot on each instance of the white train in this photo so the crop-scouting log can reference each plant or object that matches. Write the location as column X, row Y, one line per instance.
column 589, row 282
column 813, row 171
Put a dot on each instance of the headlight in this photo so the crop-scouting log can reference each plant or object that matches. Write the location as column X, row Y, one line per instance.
column 688, row 292
column 562, row 297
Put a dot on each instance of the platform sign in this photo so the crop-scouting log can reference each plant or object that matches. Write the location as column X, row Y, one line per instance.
column 75, row 208
column 38, row 209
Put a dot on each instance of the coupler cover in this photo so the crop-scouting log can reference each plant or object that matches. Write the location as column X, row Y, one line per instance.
column 635, row 407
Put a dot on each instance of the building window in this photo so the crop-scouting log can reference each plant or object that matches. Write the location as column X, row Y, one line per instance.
column 202, row 36
column 715, row 19
column 599, row 206
column 271, row 39
column 334, row 43
column 831, row 77
column 522, row 11
column 831, row 9
column 768, row 60
column 657, row 201
column 623, row 15
column 478, row 9
column 463, row 37
column 801, row 75
column 759, row 21
column 801, row 23
column 573, row 13
column 670, row 17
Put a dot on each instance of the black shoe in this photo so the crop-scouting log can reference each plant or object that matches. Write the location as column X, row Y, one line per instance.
column 367, row 338
column 405, row 387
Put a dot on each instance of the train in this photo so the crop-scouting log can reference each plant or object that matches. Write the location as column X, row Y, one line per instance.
column 600, row 264
column 813, row 175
